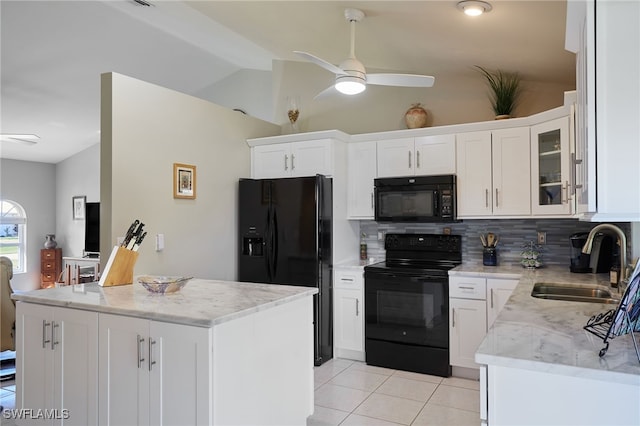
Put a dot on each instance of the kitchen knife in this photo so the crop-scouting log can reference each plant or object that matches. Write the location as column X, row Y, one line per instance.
column 129, row 234
column 135, row 236
column 136, row 246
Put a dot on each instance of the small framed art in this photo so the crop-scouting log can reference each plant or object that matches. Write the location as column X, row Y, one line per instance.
column 184, row 181
column 79, row 202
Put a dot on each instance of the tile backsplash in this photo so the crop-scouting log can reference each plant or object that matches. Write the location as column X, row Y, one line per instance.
column 513, row 233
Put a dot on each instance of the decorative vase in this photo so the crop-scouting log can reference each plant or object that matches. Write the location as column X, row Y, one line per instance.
column 415, row 117
column 50, row 241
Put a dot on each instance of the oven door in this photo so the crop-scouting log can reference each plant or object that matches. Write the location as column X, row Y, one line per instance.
column 408, row 308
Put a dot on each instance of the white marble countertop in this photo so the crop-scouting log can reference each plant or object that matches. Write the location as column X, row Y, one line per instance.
column 548, row 335
column 356, row 263
column 202, row 303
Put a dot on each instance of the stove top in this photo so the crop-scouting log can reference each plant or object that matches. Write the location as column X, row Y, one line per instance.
column 420, row 252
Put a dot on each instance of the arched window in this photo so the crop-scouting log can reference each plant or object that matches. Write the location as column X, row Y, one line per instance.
column 13, row 229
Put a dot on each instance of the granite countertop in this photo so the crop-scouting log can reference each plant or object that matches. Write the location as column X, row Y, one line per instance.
column 202, row 303
column 548, row 335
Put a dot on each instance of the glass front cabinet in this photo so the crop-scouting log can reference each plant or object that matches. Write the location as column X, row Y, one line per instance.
column 552, row 185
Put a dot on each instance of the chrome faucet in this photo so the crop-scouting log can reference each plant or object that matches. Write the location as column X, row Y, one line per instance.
column 604, row 227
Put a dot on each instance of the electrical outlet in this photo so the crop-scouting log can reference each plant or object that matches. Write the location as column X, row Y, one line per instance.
column 381, row 235
column 542, row 238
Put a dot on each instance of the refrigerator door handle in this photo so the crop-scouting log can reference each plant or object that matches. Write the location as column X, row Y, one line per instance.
column 267, row 245
column 274, row 243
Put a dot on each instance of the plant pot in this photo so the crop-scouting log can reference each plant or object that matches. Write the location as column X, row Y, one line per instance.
column 502, row 116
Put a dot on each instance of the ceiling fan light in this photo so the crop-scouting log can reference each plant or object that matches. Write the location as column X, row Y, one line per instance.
column 474, row 8
column 349, row 85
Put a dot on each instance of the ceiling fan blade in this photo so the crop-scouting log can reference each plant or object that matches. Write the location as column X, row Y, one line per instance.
column 331, row 90
column 320, row 62
column 405, row 80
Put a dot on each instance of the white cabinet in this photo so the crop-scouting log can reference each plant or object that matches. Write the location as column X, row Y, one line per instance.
column 467, row 319
column 294, row 159
column 493, row 169
column 474, row 304
column 551, row 179
column 424, row 155
column 56, row 365
column 349, row 313
column 498, row 292
column 361, row 172
column 147, row 368
column 608, row 107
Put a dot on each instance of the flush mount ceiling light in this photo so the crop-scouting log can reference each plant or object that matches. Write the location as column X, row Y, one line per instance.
column 25, row 139
column 474, row 8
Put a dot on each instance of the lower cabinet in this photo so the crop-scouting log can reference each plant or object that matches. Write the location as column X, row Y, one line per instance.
column 57, row 365
column 147, row 368
column 474, row 304
column 349, row 313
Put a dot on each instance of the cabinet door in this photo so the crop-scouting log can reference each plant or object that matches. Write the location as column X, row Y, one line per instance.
column 467, row 330
column 511, row 172
column 349, row 320
column 123, row 370
column 309, row 158
column 550, row 168
column 498, row 292
column 473, row 158
column 270, row 161
column 57, row 363
column 362, row 170
column 396, row 157
column 180, row 360
column 75, row 339
column 435, row 155
column 34, row 358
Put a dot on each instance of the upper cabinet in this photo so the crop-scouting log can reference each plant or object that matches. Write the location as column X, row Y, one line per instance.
column 424, row 155
column 552, row 182
column 361, row 172
column 608, row 107
column 293, row 159
column 493, row 169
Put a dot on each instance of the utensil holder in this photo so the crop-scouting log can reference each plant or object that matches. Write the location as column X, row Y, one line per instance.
column 119, row 267
column 489, row 256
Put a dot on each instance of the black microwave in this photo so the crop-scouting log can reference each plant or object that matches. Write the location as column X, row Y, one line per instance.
column 415, row 199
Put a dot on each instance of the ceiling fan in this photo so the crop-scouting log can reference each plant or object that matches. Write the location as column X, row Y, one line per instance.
column 351, row 76
column 18, row 138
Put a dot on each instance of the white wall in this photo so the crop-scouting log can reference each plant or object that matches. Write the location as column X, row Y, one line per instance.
column 248, row 90
column 144, row 130
column 77, row 175
column 32, row 185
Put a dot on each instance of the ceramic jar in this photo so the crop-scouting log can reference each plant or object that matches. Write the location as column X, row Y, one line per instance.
column 415, row 117
column 50, row 241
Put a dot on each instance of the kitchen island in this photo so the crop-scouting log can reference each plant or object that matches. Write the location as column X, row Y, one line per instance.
column 213, row 353
column 540, row 367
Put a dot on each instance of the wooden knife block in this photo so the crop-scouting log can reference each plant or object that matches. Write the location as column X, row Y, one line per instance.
column 119, row 267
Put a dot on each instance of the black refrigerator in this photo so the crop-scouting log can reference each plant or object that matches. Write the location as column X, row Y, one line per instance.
column 284, row 229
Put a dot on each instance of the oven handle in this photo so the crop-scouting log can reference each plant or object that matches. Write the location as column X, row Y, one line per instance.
column 412, row 278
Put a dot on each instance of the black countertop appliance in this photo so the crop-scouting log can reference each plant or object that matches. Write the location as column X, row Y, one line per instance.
column 602, row 255
column 284, row 237
column 579, row 260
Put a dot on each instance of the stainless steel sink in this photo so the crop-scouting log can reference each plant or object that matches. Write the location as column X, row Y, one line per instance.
column 574, row 293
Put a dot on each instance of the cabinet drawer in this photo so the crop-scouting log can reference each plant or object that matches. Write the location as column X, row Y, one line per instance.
column 47, row 266
column 48, row 276
column 349, row 279
column 49, row 254
column 467, row 288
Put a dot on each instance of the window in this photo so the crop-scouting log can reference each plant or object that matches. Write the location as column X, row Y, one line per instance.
column 13, row 228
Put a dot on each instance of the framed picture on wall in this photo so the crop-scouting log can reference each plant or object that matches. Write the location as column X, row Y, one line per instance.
column 184, row 181
column 78, row 207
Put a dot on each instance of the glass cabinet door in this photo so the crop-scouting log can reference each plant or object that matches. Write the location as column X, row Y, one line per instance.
column 551, row 186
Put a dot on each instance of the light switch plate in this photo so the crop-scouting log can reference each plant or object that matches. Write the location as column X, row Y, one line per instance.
column 159, row 242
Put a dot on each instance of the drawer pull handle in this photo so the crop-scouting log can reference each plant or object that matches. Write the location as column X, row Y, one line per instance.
column 54, row 342
column 466, row 288
column 357, row 307
column 453, row 317
column 346, row 279
column 491, row 298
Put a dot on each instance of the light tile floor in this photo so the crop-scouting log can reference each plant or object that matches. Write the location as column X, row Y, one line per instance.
column 351, row 393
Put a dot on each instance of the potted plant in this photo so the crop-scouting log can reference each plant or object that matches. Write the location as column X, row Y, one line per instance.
column 505, row 88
